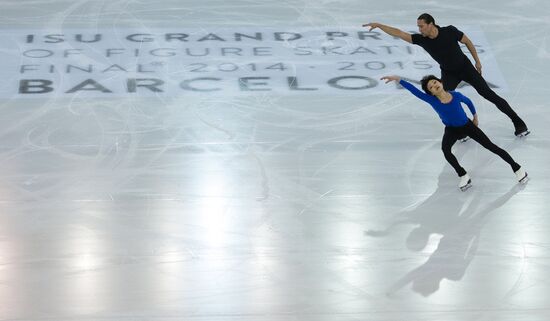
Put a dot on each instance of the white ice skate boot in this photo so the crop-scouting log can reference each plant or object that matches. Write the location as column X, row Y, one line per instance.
column 522, row 176
column 465, row 182
column 464, row 139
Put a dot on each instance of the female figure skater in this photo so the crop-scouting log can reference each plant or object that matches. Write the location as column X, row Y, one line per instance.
column 457, row 124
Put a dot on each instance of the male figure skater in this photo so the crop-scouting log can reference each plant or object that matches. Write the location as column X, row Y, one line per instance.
column 448, row 106
column 442, row 44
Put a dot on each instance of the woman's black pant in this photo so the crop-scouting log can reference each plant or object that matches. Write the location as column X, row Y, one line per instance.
column 452, row 134
column 469, row 74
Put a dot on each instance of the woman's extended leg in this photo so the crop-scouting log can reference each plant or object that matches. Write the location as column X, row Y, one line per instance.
column 449, row 138
column 479, row 136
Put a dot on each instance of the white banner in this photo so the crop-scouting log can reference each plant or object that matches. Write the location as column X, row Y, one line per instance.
column 173, row 62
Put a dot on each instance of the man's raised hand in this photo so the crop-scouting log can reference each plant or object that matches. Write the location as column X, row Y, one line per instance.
column 371, row 25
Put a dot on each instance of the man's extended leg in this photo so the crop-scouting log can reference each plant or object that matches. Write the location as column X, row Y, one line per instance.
column 472, row 76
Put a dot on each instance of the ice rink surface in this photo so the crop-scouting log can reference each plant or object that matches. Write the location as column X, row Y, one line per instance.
column 264, row 202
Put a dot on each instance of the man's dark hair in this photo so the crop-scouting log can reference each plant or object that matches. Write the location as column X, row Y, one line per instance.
column 427, row 18
column 425, row 81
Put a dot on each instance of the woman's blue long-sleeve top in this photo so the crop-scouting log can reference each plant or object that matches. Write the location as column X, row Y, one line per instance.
column 451, row 113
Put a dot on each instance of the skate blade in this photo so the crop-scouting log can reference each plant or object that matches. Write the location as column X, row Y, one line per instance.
column 465, row 187
column 525, row 133
column 524, row 180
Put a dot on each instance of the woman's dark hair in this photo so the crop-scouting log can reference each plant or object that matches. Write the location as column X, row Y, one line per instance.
column 427, row 18
column 425, row 81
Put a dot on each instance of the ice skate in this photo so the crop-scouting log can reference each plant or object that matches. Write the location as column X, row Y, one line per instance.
column 522, row 132
column 464, row 139
column 465, row 182
column 522, row 176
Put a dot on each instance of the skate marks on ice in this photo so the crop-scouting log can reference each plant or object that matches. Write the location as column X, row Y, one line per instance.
column 459, row 219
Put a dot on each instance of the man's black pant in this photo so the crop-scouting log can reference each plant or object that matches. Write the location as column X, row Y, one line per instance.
column 452, row 134
column 469, row 74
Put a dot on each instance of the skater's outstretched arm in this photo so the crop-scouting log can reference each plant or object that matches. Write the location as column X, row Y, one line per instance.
column 410, row 87
column 390, row 31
